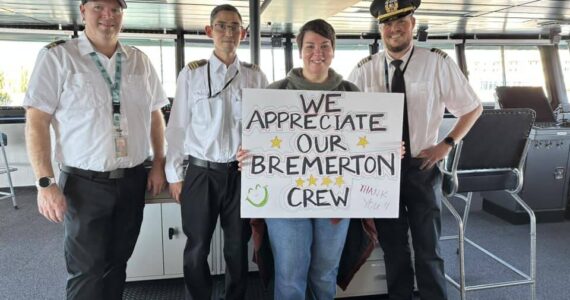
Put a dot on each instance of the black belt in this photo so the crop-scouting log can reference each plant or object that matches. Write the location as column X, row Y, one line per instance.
column 233, row 165
column 115, row 174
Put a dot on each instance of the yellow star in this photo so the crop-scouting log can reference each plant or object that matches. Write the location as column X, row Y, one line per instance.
column 339, row 181
column 276, row 142
column 312, row 181
column 300, row 182
column 362, row 141
column 326, row 181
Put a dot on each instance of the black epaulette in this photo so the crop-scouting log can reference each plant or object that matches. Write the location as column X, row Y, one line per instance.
column 54, row 44
column 364, row 61
column 193, row 65
column 250, row 66
column 439, row 51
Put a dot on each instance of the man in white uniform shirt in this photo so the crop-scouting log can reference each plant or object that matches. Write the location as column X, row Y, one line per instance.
column 103, row 100
column 431, row 82
column 205, row 128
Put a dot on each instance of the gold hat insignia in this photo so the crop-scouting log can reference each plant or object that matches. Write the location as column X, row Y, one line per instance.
column 391, row 6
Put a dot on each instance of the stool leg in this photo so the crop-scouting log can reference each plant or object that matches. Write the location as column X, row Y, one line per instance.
column 13, row 194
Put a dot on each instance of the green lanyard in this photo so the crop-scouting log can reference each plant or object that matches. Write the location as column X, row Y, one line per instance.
column 114, row 87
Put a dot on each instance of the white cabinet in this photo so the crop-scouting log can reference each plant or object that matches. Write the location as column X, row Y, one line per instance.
column 160, row 246
column 173, row 239
column 369, row 280
column 146, row 260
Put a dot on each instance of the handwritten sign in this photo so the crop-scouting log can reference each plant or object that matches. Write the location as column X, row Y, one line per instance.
column 321, row 154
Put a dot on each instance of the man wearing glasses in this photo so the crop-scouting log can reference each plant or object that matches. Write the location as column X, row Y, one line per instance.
column 205, row 128
column 102, row 98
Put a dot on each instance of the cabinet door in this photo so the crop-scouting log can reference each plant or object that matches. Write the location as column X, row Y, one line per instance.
column 174, row 239
column 147, row 256
column 369, row 280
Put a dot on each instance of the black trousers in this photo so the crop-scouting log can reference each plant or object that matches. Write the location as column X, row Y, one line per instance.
column 102, row 223
column 420, row 213
column 207, row 193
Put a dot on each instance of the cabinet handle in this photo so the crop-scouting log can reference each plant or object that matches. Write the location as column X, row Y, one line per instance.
column 171, row 232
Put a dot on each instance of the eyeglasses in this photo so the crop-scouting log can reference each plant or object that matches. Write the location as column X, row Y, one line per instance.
column 115, row 10
column 222, row 27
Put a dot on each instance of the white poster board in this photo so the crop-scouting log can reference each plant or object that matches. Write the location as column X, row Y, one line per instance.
column 315, row 154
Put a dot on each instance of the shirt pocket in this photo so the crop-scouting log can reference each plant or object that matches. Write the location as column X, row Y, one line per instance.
column 136, row 91
column 419, row 98
column 201, row 107
column 79, row 92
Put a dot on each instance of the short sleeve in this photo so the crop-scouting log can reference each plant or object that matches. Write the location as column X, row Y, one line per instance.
column 46, row 82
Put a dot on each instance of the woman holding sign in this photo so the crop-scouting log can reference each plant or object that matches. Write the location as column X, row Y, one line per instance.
column 307, row 252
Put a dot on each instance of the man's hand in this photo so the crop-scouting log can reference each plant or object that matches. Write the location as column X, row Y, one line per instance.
column 51, row 203
column 433, row 155
column 175, row 190
column 156, row 181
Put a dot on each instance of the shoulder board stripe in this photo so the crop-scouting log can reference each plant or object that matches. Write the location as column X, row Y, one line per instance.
column 196, row 64
column 250, row 66
column 364, row 61
column 54, row 44
column 439, row 51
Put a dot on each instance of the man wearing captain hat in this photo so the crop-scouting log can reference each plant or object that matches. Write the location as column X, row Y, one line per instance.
column 122, row 3
column 431, row 82
column 103, row 100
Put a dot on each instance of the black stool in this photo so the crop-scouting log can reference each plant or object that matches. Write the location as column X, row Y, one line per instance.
column 490, row 158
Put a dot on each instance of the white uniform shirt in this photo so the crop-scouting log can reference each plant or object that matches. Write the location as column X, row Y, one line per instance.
column 208, row 129
column 433, row 83
column 67, row 84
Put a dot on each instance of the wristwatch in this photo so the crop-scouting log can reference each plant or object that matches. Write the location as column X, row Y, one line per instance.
column 449, row 141
column 44, row 182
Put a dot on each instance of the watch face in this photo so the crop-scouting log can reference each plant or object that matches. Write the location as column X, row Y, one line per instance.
column 449, row 140
column 44, row 182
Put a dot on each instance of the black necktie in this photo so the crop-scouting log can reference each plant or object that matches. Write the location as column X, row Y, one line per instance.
column 399, row 86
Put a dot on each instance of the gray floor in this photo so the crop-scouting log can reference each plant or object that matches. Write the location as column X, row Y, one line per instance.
column 32, row 266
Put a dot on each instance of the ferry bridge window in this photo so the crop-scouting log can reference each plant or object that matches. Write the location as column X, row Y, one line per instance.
column 15, row 73
column 18, row 53
column 162, row 56
column 349, row 52
column 564, row 54
column 492, row 66
column 272, row 60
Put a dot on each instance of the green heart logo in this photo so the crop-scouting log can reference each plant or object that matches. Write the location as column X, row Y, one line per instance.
column 257, row 196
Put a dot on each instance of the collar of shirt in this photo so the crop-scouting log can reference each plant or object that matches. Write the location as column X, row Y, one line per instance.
column 404, row 58
column 85, row 46
column 218, row 67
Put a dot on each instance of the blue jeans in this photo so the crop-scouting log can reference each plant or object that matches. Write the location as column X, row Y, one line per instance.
column 306, row 253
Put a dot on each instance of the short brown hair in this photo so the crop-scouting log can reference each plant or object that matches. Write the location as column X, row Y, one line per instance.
column 320, row 27
column 223, row 7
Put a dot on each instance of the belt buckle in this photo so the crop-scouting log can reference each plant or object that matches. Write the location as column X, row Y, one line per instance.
column 117, row 174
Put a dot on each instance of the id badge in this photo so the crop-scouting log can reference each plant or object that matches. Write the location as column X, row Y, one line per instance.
column 120, row 146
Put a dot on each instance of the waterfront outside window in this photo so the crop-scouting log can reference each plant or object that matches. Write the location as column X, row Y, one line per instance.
column 492, row 66
column 162, row 56
column 272, row 60
column 17, row 59
column 484, row 70
column 564, row 54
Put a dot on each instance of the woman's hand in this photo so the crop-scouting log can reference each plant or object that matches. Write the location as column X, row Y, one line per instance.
column 242, row 156
column 403, row 150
